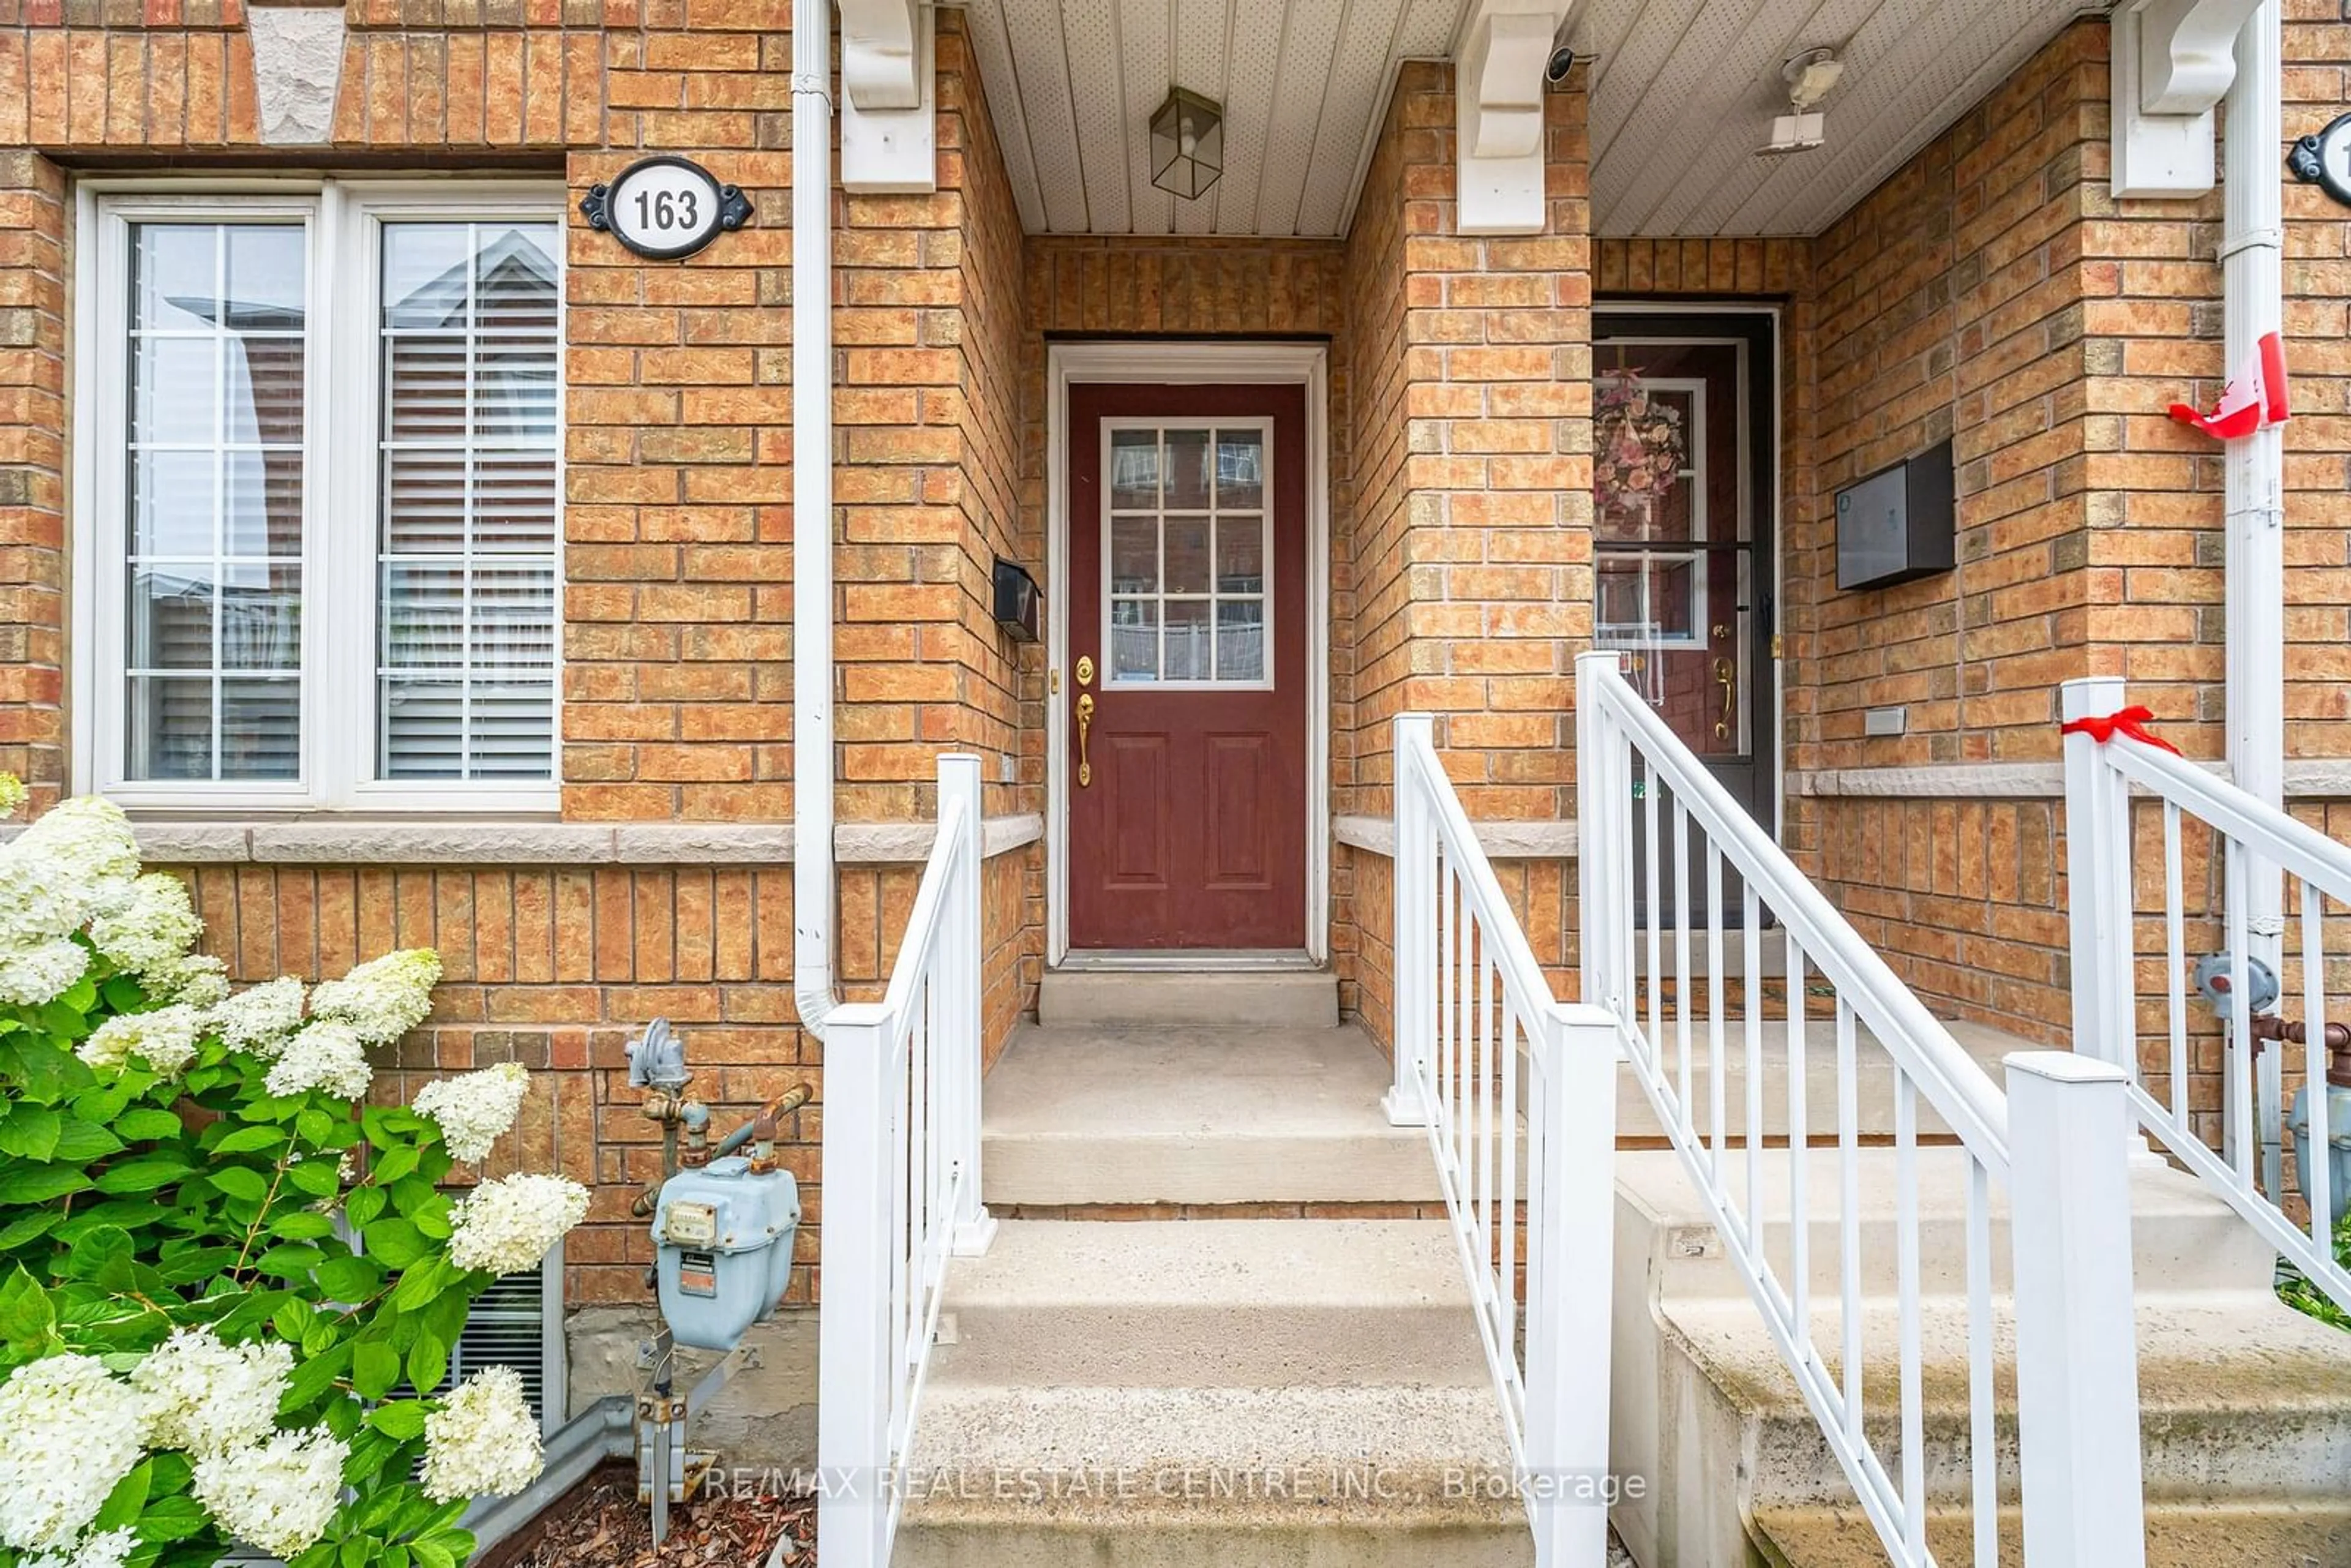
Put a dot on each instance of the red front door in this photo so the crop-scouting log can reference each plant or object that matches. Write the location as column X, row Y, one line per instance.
column 1186, row 686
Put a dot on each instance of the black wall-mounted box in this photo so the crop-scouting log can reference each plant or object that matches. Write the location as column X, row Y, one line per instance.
column 1899, row 523
column 1018, row 605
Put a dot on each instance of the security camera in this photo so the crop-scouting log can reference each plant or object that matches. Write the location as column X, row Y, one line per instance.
column 1562, row 61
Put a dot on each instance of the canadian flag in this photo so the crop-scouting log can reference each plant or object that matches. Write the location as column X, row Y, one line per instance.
column 2254, row 397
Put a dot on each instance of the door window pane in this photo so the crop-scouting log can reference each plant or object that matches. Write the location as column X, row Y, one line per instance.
column 1187, row 535
column 214, row 478
column 466, row 541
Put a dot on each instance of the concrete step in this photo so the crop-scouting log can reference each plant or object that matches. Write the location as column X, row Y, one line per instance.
column 2241, row 1399
column 1389, row 1476
column 1171, row 1114
column 1220, row 1304
column 2257, row 1534
column 1121, row 998
column 2182, row 1239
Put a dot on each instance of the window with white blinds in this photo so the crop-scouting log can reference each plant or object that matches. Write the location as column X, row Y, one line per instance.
column 470, row 356
column 335, row 498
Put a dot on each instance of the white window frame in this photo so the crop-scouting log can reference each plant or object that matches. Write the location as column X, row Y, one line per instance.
column 1263, row 428
column 342, row 395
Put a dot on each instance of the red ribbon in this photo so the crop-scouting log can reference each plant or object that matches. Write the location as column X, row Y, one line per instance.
column 2131, row 721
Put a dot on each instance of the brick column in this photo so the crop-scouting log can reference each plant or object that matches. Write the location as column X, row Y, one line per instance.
column 32, row 473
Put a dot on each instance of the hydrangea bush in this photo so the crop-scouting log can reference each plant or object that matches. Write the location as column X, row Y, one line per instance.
column 224, row 1274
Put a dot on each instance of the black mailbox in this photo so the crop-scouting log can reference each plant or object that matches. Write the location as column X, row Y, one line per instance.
column 1897, row 524
column 1018, row 602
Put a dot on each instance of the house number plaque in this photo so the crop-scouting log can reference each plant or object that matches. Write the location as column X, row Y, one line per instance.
column 665, row 207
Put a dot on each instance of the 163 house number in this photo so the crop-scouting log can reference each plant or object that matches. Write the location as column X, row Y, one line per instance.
column 665, row 207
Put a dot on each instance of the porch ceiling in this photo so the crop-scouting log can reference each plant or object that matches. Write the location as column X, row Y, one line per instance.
column 1683, row 92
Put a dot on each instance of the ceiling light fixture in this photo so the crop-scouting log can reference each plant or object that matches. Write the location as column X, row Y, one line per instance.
column 1810, row 76
column 1187, row 143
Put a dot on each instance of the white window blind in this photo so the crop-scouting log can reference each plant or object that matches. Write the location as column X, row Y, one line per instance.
column 321, row 429
column 469, row 350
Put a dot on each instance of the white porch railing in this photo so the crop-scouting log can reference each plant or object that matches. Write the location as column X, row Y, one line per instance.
column 1481, row 1047
column 901, row 1185
column 2055, row 1140
column 2249, row 839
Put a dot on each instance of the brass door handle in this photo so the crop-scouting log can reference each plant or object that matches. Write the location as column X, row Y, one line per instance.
column 1726, row 675
column 1086, row 722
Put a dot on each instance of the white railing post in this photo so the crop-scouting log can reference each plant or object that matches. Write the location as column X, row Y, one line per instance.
column 963, row 1032
column 853, row 1312
column 1572, row 1227
column 1413, row 933
column 2098, row 913
column 2077, row 1348
column 1602, row 829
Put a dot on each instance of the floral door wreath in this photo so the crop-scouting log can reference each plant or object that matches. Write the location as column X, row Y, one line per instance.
column 1638, row 443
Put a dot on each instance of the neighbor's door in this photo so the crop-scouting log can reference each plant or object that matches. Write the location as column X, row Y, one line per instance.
column 1186, row 688
column 1682, row 488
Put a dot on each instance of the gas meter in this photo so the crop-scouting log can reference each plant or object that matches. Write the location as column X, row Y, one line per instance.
column 723, row 1240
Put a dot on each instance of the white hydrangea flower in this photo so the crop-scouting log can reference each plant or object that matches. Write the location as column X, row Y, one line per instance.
column 204, row 1396
column 258, row 1018
column 475, row 1109
column 483, row 1441
column 382, row 998
column 13, row 794
column 32, row 974
column 507, row 1225
column 85, row 856
column 40, row 902
column 196, row 980
column 279, row 1495
column 165, row 1039
column 323, row 1056
column 68, row 1431
column 153, row 925
column 107, row 1549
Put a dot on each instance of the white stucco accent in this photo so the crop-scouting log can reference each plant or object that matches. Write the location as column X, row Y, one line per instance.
column 298, row 66
column 1500, row 841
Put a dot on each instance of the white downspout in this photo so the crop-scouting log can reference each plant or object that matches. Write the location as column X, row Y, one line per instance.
column 2252, row 295
column 812, row 853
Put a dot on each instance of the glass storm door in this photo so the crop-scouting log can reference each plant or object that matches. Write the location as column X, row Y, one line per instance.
column 1682, row 486
column 1186, row 759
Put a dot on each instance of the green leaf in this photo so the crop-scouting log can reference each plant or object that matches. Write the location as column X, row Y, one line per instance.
column 294, row 1319
column 30, row 1132
column 187, row 1267
column 395, row 1243
column 37, row 1223
column 395, row 1164
column 375, row 1369
column 301, row 1225
column 28, row 1320
column 172, row 1519
column 240, row 1181
column 403, row 1419
column 317, row 1178
column 44, row 1072
column 123, row 1504
column 363, row 1205
column 143, row 1175
column 357, row 1551
column 249, row 1140
column 27, row 1185
column 428, row 1364
column 423, row 1283
column 81, row 1141
column 350, row 1279
column 314, row 1377
column 314, row 1124
column 291, row 1261
column 145, row 1122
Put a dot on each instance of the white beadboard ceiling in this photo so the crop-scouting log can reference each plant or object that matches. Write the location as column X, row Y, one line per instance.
column 1683, row 92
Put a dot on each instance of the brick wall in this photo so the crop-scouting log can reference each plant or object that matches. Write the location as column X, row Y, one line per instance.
column 1467, row 556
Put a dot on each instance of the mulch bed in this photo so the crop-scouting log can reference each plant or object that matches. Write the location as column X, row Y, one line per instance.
column 599, row 1523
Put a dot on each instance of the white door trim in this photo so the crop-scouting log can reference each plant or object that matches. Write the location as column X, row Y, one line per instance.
column 1160, row 362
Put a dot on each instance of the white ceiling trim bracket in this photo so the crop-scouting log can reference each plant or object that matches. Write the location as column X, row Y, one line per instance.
column 2172, row 62
column 889, row 123
column 1498, row 94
